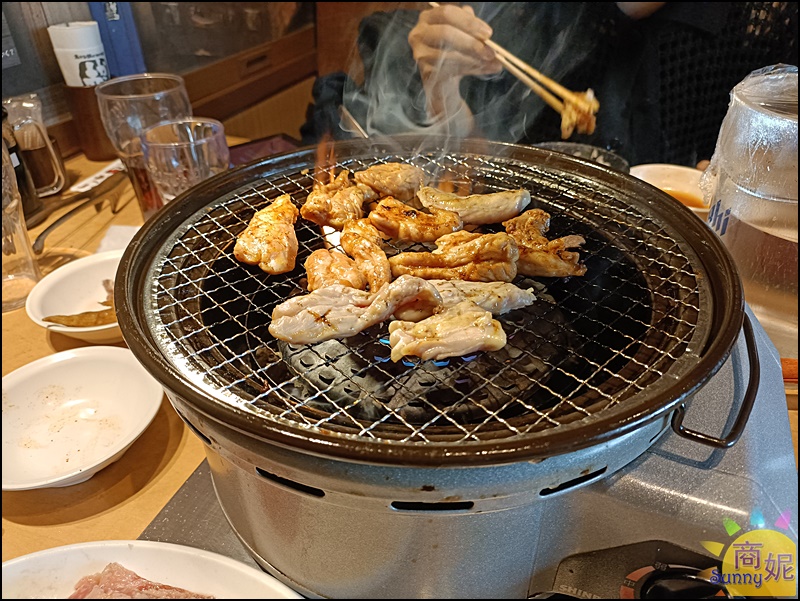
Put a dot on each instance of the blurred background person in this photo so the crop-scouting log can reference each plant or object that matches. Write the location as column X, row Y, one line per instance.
column 662, row 72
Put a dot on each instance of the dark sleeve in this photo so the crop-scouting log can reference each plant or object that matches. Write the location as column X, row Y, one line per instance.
column 322, row 115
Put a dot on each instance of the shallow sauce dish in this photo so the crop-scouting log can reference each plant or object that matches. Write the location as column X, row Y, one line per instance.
column 52, row 574
column 69, row 415
column 682, row 183
column 75, row 288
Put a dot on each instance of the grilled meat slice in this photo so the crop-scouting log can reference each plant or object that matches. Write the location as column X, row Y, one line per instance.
column 539, row 256
column 399, row 180
column 269, row 240
column 462, row 256
column 328, row 267
column 477, row 209
column 403, row 222
column 339, row 311
column 459, row 330
column 337, row 202
column 364, row 243
column 496, row 297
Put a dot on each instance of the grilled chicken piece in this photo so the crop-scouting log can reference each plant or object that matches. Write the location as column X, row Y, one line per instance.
column 338, row 202
column 459, row 330
column 269, row 240
column 328, row 267
column 402, row 222
column 539, row 256
column 496, row 297
column 339, row 311
column 363, row 242
column 399, row 180
column 477, row 209
column 579, row 115
column 462, row 256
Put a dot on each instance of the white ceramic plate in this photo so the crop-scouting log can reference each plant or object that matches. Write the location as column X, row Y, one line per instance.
column 69, row 415
column 74, row 288
column 680, row 182
column 52, row 574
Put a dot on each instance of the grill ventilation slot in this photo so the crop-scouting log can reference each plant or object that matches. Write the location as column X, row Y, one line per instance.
column 572, row 483
column 419, row 506
column 303, row 488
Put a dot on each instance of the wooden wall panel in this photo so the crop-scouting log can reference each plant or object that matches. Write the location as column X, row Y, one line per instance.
column 337, row 33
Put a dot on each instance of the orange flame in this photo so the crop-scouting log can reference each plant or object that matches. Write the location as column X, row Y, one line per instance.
column 325, row 161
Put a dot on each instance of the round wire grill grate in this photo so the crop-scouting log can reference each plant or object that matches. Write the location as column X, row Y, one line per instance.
column 614, row 341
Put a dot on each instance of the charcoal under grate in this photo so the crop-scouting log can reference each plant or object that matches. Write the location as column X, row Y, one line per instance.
column 590, row 347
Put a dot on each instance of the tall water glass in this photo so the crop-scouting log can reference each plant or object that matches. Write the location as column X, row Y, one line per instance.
column 182, row 153
column 751, row 185
column 20, row 269
column 128, row 106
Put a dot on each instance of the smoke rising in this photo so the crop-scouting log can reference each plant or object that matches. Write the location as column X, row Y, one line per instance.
column 391, row 99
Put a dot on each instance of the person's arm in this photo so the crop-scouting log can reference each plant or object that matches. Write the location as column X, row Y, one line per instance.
column 448, row 43
column 639, row 10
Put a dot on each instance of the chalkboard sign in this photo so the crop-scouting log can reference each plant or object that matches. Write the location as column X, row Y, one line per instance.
column 10, row 56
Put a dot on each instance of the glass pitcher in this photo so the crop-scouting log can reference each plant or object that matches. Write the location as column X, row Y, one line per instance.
column 38, row 149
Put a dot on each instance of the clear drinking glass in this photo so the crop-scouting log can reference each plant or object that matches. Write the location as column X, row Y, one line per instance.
column 20, row 269
column 128, row 106
column 182, row 153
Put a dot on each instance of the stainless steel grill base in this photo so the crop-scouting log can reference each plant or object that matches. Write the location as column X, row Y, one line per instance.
column 334, row 529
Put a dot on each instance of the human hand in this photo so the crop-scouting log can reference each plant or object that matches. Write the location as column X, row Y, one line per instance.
column 448, row 43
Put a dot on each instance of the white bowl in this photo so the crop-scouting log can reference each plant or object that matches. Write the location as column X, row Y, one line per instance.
column 678, row 181
column 53, row 573
column 74, row 288
column 69, row 415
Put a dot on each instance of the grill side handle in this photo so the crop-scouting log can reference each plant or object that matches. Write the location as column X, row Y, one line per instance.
column 744, row 411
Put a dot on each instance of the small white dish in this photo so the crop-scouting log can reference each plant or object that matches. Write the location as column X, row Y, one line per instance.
column 69, row 415
column 682, row 183
column 53, row 573
column 75, row 288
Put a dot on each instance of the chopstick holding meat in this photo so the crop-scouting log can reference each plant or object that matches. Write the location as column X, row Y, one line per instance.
column 269, row 240
column 577, row 109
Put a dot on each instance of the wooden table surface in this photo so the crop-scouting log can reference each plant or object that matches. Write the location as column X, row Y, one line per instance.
column 121, row 500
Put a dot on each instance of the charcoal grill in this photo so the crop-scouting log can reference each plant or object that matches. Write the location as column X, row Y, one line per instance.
column 339, row 440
